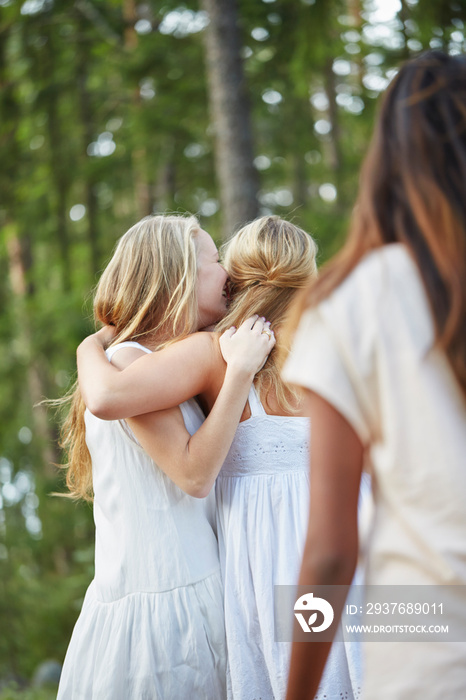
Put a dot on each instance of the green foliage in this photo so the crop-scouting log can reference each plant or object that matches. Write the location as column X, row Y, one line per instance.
column 15, row 693
column 104, row 119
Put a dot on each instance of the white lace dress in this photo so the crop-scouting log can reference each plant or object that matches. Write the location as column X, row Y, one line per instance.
column 262, row 513
column 151, row 626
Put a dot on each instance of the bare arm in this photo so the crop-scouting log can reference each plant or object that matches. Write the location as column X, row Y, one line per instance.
column 331, row 548
column 193, row 462
column 154, row 382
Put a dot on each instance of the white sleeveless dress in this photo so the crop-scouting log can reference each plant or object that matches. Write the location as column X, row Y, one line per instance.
column 262, row 514
column 151, row 626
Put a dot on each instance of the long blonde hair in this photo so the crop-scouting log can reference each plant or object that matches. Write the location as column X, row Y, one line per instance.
column 147, row 291
column 268, row 261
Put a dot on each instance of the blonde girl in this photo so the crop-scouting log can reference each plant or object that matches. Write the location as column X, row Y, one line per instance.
column 151, row 625
column 262, row 489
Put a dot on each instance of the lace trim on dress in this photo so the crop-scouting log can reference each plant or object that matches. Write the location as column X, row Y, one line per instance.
column 275, row 452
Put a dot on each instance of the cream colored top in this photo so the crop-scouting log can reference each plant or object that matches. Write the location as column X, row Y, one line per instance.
column 368, row 350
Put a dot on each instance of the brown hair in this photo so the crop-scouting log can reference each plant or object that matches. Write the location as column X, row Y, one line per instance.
column 268, row 261
column 413, row 190
column 148, row 289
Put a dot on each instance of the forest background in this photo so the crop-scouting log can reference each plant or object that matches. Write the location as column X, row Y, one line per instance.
column 114, row 110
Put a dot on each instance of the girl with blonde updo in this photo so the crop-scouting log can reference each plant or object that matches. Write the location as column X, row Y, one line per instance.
column 262, row 488
column 268, row 261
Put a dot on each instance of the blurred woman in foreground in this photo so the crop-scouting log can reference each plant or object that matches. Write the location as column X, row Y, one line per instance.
column 380, row 349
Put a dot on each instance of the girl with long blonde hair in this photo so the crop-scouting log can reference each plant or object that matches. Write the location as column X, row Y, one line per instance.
column 151, row 625
column 262, row 488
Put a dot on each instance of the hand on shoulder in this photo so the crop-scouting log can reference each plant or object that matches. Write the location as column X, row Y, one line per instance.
column 247, row 348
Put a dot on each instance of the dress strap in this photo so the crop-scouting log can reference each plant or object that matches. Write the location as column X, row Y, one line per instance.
column 127, row 344
column 255, row 405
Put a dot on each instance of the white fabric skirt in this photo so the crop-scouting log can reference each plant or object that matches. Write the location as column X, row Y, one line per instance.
column 149, row 646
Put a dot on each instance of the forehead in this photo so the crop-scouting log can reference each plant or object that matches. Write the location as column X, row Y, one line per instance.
column 204, row 244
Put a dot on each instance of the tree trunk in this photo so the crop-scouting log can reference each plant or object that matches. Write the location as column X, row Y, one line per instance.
column 87, row 137
column 355, row 10
column 20, row 261
column 58, row 166
column 142, row 189
column 403, row 15
column 164, row 189
column 19, row 250
column 334, row 144
column 230, row 115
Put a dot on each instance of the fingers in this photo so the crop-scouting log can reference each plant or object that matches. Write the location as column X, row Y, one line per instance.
column 229, row 332
column 267, row 330
column 270, row 335
column 247, row 348
column 260, row 326
column 250, row 322
column 255, row 323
